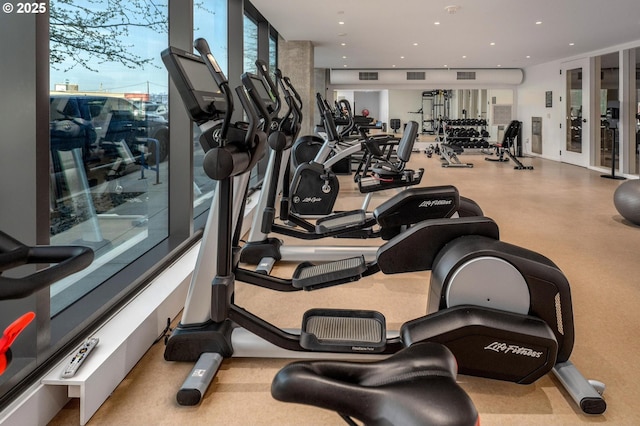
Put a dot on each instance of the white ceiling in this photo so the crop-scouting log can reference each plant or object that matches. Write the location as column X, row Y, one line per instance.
column 378, row 32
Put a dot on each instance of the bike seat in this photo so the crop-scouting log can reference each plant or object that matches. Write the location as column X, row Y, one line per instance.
column 416, row 386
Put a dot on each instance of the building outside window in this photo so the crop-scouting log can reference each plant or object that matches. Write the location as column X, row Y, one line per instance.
column 109, row 134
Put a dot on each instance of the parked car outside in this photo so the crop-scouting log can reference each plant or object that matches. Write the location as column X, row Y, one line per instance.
column 156, row 109
column 102, row 119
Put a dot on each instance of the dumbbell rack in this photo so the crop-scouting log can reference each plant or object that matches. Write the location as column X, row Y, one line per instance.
column 465, row 133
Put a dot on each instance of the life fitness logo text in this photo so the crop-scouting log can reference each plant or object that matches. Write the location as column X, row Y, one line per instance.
column 311, row 200
column 435, row 203
column 513, row 349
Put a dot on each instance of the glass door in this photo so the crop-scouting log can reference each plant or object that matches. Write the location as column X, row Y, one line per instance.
column 577, row 141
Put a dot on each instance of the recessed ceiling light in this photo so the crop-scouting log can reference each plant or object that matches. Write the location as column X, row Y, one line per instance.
column 401, row 57
column 464, row 56
column 445, row 65
column 436, row 23
column 528, row 56
column 492, row 44
column 415, row 44
column 341, row 23
column 538, row 22
column 343, row 44
column 344, row 57
column 572, row 44
column 345, row 65
column 499, row 65
column 393, row 66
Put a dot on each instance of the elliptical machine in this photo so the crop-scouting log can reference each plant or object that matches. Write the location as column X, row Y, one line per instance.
column 315, row 186
column 504, row 311
column 406, row 208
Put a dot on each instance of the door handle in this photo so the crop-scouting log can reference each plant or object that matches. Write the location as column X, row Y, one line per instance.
column 584, row 120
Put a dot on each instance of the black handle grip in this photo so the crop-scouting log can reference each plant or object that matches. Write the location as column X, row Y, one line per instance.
column 252, row 116
column 67, row 259
column 293, row 90
column 202, row 47
column 263, row 68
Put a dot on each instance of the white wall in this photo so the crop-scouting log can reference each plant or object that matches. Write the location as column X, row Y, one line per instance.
column 384, row 105
column 384, row 108
column 376, row 101
column 343, row 94
column 368, row 100
column 499, row 97
column 531, row 103
column 401, row 102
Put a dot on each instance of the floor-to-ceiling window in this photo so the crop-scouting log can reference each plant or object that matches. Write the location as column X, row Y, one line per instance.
column 210, row 23
column 106, row 164
column 608, row 70
column 109, row 134
column 635, row 160
column 618, row 108
column 273, row 52
column 250, row 56
column 250, row 44
column 106, row 149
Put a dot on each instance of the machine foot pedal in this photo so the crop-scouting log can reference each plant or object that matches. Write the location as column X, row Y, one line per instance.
column 341, row 221
column 310, row 277
column 340, row 330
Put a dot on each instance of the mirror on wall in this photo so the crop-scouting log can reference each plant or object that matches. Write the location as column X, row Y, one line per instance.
column 426, row 106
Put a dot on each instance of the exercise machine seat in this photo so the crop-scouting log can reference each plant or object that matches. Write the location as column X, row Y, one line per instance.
column 403, row 152
column 510, row 134
column 415, row 386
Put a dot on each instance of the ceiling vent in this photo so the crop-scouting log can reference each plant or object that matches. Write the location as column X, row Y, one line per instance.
column 425, row 77
column 367, row 75
column 416, row 75
column 466, row 75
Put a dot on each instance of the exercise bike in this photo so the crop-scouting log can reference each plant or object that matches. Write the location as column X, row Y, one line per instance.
column 504, row 311
column 315, row 186
column 13, row 254
column 414, row 387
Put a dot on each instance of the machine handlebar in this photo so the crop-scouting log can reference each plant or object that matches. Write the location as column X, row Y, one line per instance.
column 13, row 253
